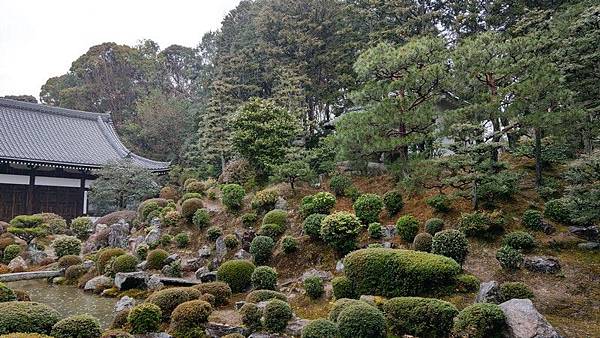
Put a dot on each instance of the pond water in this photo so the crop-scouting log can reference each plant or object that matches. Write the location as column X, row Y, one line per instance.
column 68, row 300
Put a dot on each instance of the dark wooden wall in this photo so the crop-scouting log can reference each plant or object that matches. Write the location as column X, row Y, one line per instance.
column 66, row 202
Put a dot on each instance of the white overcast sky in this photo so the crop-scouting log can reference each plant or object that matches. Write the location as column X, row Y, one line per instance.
column 40, row 38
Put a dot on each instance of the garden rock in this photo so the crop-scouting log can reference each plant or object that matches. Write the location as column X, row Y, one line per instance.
column 524, row 321
column 201, row 272
column 36, row 256
column 542, row 264
column 242, row 254
column 339, row 266
column 134, row 242
column 547, row 228
column 489, row 292
column 154, row 283
column 97, row 240
column 204, row 252
column 247, row 238
column 141, row 266
column 589, row 233
column 220, row 330
column 220, row 248
column 281, row 203
column 88, row 264
column 153, row 235
column 376, row 169
column 324, row 275
column 171, row 258
column 238, row 305
column 17, row 264
column 124, row 303
column 208, row 277
column 131, row 280
column 118, row 235
column 295, row 326
column 589, row 246
column 98, row 283
column 389, row 231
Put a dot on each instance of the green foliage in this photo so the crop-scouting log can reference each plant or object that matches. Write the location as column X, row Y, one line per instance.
column 277, row 314
column 220, row 290
column 295, row 167
column 27, row 227
column 394, row 273
column 68, row 260
column 190, row 206
column 251, row 316
column 29, row 317
column 422, row 242
column 142, row 251
column 509, row 258
column 467, row 283
column 339, row 183
column 146, row 208
column 361, row 320
column 480, row 224
column 6, row 293
column 271, row 230
column 11, row 252
column 289, row 244
column 258, row 296
column 144, row 318
column 583, row 189
column 353, row 193
column 480, row 320
column 201, row 218
column 121, row 184
column 82, row 227
column 264, row 278
column 320, row 328
column 276, row 216
column 374, row 230
column 339, row 305
column 124, row 263
column 499, row 187
column 312, row 225
column 319, row 203
column 514, row 290
column 74, row 272
column 408, row 227
column 156, row 259
column 79, row 326
column 451, row 243
column 105, row 256
column 558, row 210
column 434, row 225
column 532, row 219
column 237, row 273
column 171, row 218
column 182, row 239
column 264, row 200
column 439, row 203
column 233, row 194
column 261, row 249
column 314, row 287
column 188, row 318
column 343, row 288
column 166, row 240
column 393, row 202
column 420, row 317
column 168, row 299
column 214, row 232
column 189, row 195
column 368, row 207
column 340, row 230
column 231, row 241
column 519, row 240
column 68, row 245
column 249, row 219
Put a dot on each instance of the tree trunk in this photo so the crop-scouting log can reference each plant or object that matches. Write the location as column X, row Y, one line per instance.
column 474, row 199
column 512, row 138
column 537, row 153
column 496, row 138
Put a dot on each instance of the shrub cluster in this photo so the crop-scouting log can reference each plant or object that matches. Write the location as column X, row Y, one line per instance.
column 190, row 206
column 339, row 183
column 393, row 202
column 214, row 232
column 420, row 317
column 264, row 278
column 289, row 244
column 11, row 252
column 142, row 251
column 66, row 246
column 451, row 243
column 78, row 326
column 166, row 240
column 340, row 230
column 320, row 328
column 408, row 227
column 314, row 287
column 509, row 258
column 6, row 293
column 394, row 273
column 361, row 320
column 343, row 288
column 277, row 314
column 105, row 256
column 82, row 227
column 144, row 318
column 271, row 230
column 168, row 299
column 368, row 207
column 439, row 203
column 156, row 259
column 434, row 225
column 29, row 317
column 258, row 296
column 312, row 225
column 275, row 216
column 374, row 230
column 231, row 241
column 261, row 249
column 558, row 210
column 422, row 242
column 232, row 197
column 481, row 320
column 182, row 239
column 237, row 273
column 249, row 219
column 201, row 218
column 251, row 316
column 480, row 224
column 265, row 199
column 467, row 283
column 187, row 318
column 74, row 272
column 319, row 203
column 168, row 192
column 532, row 219
column 171, row 218
column 124, row 263
column 514, row 290
column 519, row 240
column 220, row 290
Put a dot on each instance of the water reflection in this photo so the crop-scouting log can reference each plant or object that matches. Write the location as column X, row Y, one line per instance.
column 68, row 300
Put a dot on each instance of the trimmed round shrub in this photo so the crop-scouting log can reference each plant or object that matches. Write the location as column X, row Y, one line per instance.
column 249, row 219
column 68, row 260
column 408, row 227
column 339, row 183
column 74, row 272
column 320, row 328
column 79, row 326
column 220, row 290
column 368, row 207
column 265, row 199
column 439, row 203
column 312, row 225
column 6, row 293
column 361, row 320
column 289, row 244
column 124, row 263
column 314, row 287
column 189, row 195
column 451, row 243
column 142, row 251
column 188, row 317
column 558, row 210
column 156, row 259
column 340, row 305
column 343, row 288
column 277, row 314
column 190, row 206
column 24, row 335
column 353, row 193
column 480, row 224
column 532, row 219
column 66, row 246
column 214, row 232
column 168, row 299
column 105, row 256
column 168, row 193
column 231, row 241
column 144, row 318
column 251, row 316
column 519, row 240
column 394, row 272
column 120, row 319
column 201, row 218
column 514, row 290
column 195, row 187
column 276, row 216
column 271, row 230
column 481, row 320
column 422, row 242
column 467, row 283
column 207, row 297
column 116, row 333
column 319, row 203
column 434, row 225
column 258, row 296
column 182, row 239
column 374, row 230
column 148, row 206
column 261, row 249
column 264, row 278
column 237, row 273
column 420, row 317
column 340, row 230
column 166, row 240
column 232, row 196
column 171, row 218
column 509, row 258
column 393, row 202
column 82, row 227
column 27, row 317
column 11, row 252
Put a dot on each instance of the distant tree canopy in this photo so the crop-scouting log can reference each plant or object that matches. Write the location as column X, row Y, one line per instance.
column 24, row 98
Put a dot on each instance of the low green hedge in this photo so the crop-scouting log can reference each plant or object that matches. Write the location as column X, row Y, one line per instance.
column 264, row 278
column 237, row 273
column 6, row 293
column 168, row 299
column 78, row 326
column 258, row 296
column 394, row 273
column 188, row 318
column 220, row 290
column 481, row 320
column 144, row 318
column 421, row 317
column 277, row 314
column 343, row 288
column 361, row 320
column 320, row 328
column 27, row 317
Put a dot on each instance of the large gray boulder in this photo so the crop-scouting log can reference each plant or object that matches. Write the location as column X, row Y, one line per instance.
column 17, row 264
column 98, row 284
column 324, row 275
column 589, row 233
column 220, row 330
column 131, row 280
column 118, row 235
column 524, row 321
column 124, row 303
column 489, row 292
column 153, row 235
column 544, row 264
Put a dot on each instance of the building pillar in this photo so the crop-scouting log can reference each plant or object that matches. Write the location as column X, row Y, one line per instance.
column 31, row 188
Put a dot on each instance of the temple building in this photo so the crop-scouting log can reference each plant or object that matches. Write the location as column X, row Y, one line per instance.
column 49, row 156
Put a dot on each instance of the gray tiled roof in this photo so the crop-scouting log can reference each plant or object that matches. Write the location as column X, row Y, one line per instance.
column 44, row 134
